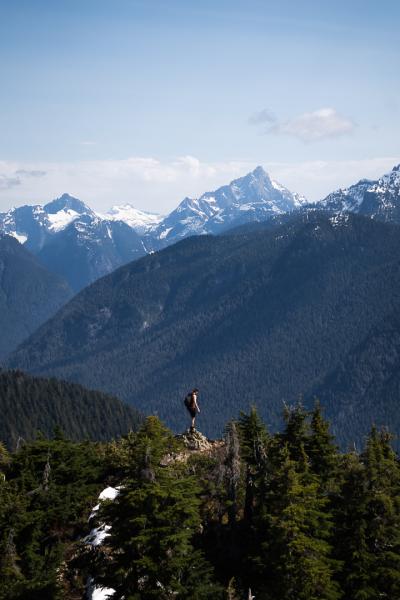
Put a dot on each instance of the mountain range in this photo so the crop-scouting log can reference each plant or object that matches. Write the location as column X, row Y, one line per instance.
column 298, row 299
column 71, row 240
column 378, row 199
column 250, row 318
column 80, row 245
column 252, row 198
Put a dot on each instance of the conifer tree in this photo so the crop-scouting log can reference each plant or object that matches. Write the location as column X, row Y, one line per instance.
column 321, row 450
column 254, row 442
column 368, row 522
column 11, row 510
column 296, row 435
column 150, row 551
column 295, row 556
column 232, row 466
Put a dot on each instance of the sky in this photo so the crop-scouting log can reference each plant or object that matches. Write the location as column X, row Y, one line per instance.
column 149, row 101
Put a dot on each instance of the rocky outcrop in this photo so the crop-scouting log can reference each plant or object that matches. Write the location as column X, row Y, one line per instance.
column 194, row 442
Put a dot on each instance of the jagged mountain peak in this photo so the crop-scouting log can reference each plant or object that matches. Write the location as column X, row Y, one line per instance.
column 66, row 203
column 379, row 199
column 392, row 177
column 258, row 174
column 251, row 198
column 259, row 171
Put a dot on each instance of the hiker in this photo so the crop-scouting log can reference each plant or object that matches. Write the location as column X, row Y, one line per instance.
column 192, row 406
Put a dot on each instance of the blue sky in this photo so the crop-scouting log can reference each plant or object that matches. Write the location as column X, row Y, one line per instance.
column 149, row 101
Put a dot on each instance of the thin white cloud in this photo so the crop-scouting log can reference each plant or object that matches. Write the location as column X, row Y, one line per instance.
column 146, row 182
column 315, row 126
column 159, row 185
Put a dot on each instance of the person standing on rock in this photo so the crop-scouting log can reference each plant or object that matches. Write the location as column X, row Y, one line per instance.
column 192, row 406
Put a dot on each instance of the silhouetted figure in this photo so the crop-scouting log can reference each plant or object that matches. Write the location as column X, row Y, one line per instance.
column 192, row 406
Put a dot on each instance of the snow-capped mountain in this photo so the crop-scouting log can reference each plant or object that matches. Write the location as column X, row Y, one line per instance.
column 63, row 211
column 141, row 221
column 81, row 245
column 378, row 199
column 89, row 248
column 28, row 224
column 254, row 197
column 34, row 225
column 71, row 240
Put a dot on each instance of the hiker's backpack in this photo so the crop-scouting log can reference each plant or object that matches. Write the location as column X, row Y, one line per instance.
column 188, row 401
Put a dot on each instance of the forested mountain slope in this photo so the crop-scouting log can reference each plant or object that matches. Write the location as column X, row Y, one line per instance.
column 31, row 404
column 256, row 317
column 29, row 294
column 365, row 385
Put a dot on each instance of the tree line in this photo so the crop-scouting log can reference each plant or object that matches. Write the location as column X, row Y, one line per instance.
column 282, row 516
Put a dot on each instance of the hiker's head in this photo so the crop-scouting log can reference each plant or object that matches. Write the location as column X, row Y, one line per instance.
column 195, row 391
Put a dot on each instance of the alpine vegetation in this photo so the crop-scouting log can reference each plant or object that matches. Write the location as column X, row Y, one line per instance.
column 280, row 516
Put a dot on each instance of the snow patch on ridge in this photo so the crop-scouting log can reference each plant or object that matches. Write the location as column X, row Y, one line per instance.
column 18, row 236
column 61, row 219
column 139, row 220
column 164, row 233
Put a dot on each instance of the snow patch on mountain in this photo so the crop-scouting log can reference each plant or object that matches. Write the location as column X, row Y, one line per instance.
column 21, row 238
column 254, row 197
column 61, row 219
column 139, row 220
column 376, row 199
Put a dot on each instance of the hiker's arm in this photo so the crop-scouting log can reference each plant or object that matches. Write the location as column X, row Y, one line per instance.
column 196, row 406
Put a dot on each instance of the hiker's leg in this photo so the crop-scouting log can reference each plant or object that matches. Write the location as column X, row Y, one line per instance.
column 193, row 420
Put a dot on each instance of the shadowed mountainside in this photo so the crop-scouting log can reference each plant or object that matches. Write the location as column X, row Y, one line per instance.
column 252, row 318
column 29, row 294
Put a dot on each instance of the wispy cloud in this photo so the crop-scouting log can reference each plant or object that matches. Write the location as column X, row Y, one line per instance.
column 7, row 183
column 315, row 126
column 16, row 177
column 33, row 173
column 159, row 185
column 308, row 127
column 147, row 182
column 261, row 117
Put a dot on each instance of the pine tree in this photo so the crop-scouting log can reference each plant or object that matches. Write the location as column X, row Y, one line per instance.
column 254, row 443
column 49, row 487
column 12, row 510
column 232, row 470
column 294, row 561
column 296, row 435
column 150, row 551
column 321, row 450
column 368, row 522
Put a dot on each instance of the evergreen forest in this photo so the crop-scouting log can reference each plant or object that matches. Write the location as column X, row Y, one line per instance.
column 31, row 404
column 307, row 307
column 281, row 516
